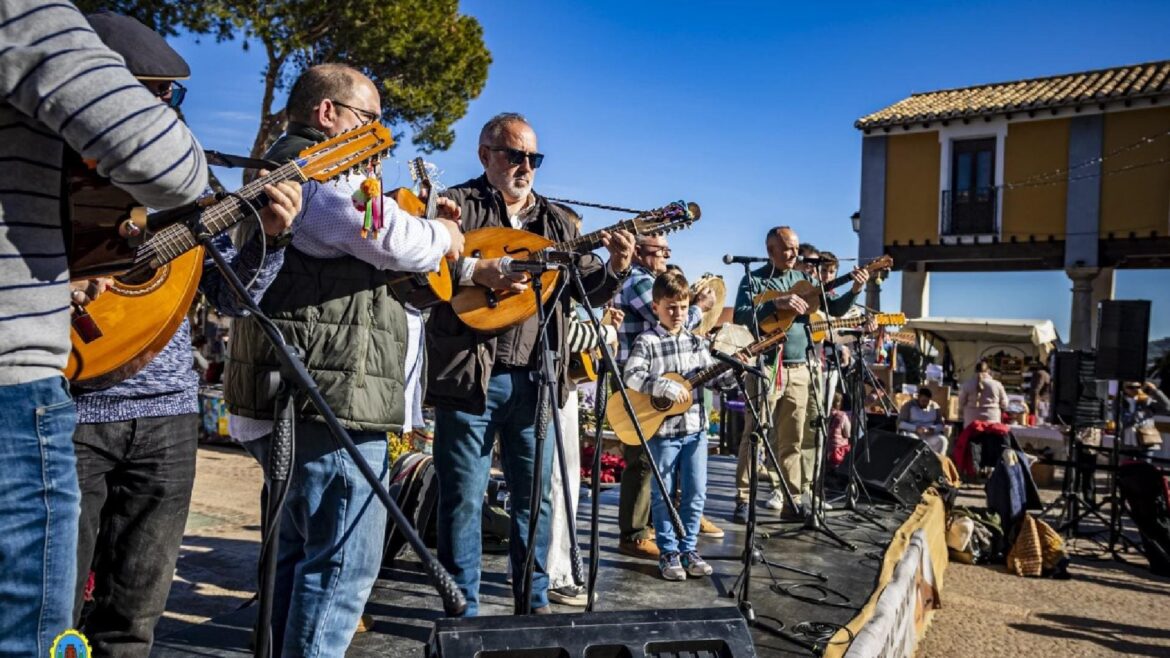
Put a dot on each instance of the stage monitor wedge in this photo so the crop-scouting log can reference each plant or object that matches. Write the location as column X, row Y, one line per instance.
column 1123, row 334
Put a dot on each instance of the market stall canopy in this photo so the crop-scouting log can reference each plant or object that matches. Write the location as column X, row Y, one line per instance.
column 970, row 339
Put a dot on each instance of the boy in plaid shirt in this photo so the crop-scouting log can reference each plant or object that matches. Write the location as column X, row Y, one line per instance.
column 679, row 447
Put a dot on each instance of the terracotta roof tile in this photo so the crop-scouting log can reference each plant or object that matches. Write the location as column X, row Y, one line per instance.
column 1137, row 81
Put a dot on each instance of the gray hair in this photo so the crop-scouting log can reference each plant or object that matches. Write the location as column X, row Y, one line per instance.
column 493, row 130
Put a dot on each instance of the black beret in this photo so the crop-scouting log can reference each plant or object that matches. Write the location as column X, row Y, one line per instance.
column 147, row 54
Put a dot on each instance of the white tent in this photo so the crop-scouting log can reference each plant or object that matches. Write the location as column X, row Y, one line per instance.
column 970, row 339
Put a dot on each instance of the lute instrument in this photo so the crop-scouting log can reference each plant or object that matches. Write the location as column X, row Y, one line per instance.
column 782, row 319
column 487, row 310
column 153, row 287
column 421, row 289
column 651, row 411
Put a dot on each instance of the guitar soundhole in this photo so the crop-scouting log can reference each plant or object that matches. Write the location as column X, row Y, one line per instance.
column 143, row 282
column 661, row 404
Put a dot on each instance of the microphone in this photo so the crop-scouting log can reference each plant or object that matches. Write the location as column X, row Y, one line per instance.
column 513, row 266
column 814, row 260
column 737, row 364
column 746, row 260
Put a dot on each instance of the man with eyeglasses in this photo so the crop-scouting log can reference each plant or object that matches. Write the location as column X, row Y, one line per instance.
column 482, row 385
column 635, row 300
column 331, row 300
column 136, row 441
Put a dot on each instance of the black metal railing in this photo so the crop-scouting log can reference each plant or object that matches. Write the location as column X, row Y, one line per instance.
column 971, row 212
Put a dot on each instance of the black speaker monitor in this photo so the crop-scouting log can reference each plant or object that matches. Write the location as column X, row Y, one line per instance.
column 1123, row 331
column 1077, row 396
column 901, row 467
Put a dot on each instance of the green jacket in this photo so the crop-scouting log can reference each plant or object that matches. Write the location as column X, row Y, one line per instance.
column 341, row 313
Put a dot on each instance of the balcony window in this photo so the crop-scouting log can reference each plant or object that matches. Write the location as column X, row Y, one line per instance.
column 969, row 207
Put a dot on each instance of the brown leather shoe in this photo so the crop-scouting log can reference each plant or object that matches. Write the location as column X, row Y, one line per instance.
column 543, row 610
column 708, row 529
column 645, row 549
column 365, row 623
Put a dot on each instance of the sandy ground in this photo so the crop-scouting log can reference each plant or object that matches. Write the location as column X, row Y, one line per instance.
column 1107, row 608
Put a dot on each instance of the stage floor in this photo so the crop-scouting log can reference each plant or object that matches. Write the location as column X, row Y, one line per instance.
column 404, row 606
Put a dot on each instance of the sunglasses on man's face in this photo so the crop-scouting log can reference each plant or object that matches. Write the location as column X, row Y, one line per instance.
column 516, row 157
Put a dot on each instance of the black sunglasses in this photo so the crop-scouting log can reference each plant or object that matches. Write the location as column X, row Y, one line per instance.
column 177, row 92
column 365, row 116
column 516, row 157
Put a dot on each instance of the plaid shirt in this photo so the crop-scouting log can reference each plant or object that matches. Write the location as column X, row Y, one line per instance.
column 657, row 352
column 635, row 299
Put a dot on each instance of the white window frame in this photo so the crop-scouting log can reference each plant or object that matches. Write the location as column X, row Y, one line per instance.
column 957, row 131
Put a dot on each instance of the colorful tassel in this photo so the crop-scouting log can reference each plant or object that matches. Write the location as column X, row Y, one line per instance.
column 364, row 200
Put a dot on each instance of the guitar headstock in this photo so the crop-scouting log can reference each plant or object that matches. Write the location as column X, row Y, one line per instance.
column 890, row 319
column 667, row 219
column 883, row 262
column 338, row 155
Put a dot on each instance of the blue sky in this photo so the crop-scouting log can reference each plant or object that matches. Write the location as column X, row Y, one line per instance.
column 746, row 108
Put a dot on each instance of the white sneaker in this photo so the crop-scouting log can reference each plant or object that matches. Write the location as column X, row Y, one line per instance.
column 776, row 501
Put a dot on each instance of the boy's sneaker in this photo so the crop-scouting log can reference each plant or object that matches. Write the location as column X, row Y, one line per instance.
column 695, row 565
column 671, row 568
column 776, row 501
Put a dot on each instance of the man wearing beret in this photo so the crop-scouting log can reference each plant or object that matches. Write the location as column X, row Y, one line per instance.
column 136, row 441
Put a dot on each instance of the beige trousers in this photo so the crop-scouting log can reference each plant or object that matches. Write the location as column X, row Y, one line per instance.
column 788, row 405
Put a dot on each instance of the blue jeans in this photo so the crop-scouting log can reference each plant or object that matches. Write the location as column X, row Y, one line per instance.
column 682, row 460
column 39, row 505
column 331, row 537
column 463, row 459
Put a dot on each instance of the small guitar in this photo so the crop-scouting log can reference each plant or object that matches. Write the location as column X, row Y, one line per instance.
column 583, row 366
column 152, row 291
column 489, row 310
column 421, row 289
column 782, row 319
column 820, row 324
column 652, row 411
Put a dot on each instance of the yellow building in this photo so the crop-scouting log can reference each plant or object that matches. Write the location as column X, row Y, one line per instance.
column 1065, row 172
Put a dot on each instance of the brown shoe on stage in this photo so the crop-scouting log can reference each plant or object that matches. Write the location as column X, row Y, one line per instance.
column 645, row 549
column 708, row 529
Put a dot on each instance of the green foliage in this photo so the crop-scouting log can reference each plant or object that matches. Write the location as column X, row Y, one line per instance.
column 427, row 60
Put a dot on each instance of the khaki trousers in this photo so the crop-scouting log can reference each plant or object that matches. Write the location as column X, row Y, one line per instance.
column 789, row 406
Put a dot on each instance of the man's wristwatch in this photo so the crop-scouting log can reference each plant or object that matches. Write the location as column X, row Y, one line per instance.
column 279, row 241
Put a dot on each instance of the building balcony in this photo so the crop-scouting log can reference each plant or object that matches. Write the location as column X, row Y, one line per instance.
column 971, row 212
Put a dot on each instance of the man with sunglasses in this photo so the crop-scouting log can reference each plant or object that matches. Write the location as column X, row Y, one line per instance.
column 483, row 384
column 136, row 441
column 635, row 300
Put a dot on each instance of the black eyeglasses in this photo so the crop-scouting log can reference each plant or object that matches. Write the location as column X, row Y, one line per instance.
column 365, row 116
column 516, row 157
column 657, row 251
column 173, row 94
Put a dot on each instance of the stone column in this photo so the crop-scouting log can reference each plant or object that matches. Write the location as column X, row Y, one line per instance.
column 916, row 292
column 873, row 295
column 1081, row 322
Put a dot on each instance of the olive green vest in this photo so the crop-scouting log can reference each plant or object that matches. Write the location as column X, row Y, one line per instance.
column 341, row 313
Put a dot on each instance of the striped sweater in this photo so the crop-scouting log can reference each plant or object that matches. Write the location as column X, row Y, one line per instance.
column 59, row 87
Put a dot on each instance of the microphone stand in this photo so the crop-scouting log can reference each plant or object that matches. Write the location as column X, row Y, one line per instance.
column 815, row 520
column 764, row 420
column 293, row 369
column 753, row 551
column 608, row 367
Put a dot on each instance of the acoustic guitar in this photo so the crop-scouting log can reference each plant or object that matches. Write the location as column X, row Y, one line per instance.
column 583, row 366
column 820, row 324
column 487, row 310
column 651, row 412
column 421, row 289
column 152, row 290
column 782, row 319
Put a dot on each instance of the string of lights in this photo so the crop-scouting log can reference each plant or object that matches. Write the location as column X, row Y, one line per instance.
column 1060, row 172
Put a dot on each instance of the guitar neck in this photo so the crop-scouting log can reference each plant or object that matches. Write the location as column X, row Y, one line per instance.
column 591, row 241
column 175, row 240
column 755, row 349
